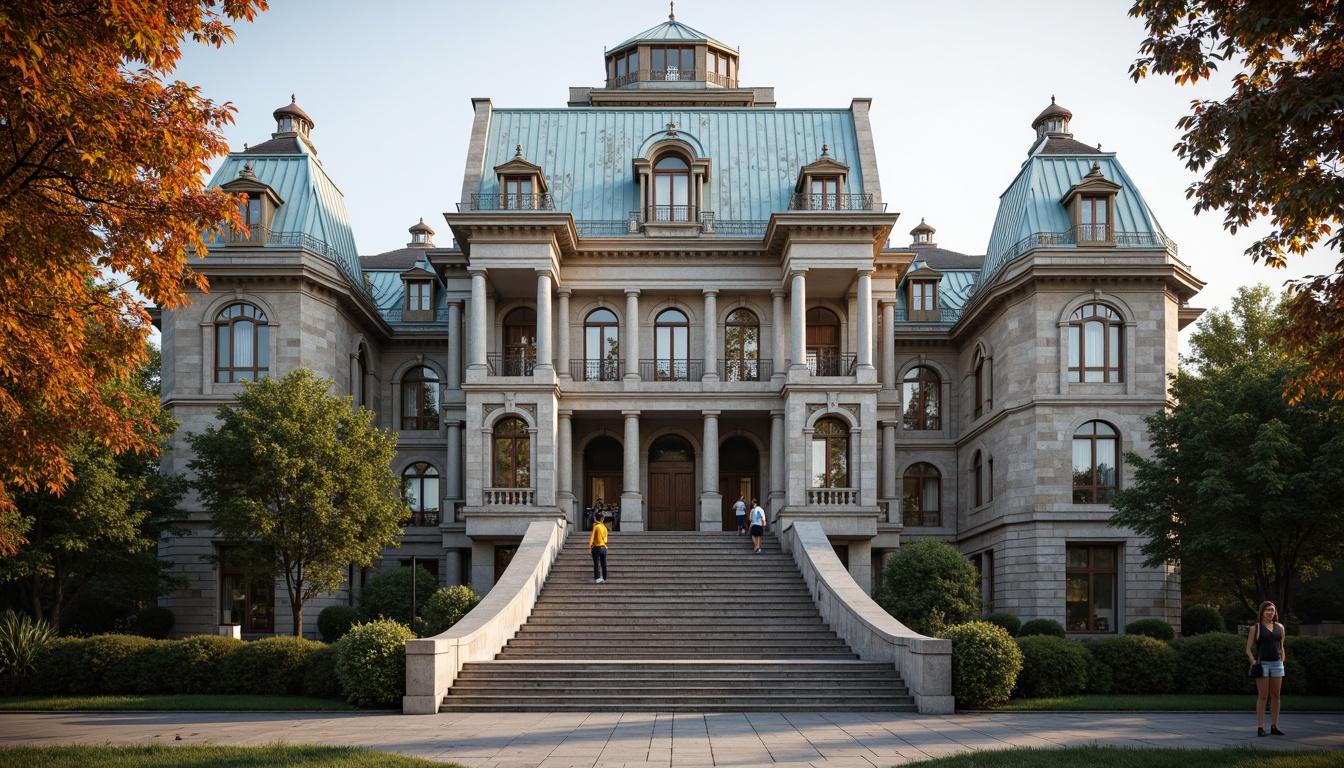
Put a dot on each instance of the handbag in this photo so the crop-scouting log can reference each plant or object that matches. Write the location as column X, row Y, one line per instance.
column 1255, row 670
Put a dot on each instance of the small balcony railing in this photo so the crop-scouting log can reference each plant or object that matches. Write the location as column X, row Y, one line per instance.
column 500, row 201
column 833, row 497
column 920, row 519
column 671, row 370
column 621, row 81
column 510, row 497
column 424, row 517
column 945, row 315
column 677, row 214
column 747, row 370
column 723, row 80
column 672, row 73
column 825, row 363
column 834, row 202
column 596, row 370
column 512, row 363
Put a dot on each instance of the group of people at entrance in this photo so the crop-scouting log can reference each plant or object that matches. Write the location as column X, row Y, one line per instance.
column 757, row 521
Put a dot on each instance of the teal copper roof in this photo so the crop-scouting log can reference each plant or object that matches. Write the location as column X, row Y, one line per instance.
column 389, row 293
column 587, row 154
column 313, row 206
column 1031, row 207
column 954, row 290
column 671, row 31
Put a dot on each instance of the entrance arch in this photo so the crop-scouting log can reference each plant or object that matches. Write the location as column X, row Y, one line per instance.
column 672, row 496
column 603, row 470
column 739, row 466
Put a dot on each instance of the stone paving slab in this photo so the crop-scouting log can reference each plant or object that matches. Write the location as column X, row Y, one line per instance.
column 647, row 740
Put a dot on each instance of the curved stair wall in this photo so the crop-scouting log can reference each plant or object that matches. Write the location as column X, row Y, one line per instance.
column 925, row 663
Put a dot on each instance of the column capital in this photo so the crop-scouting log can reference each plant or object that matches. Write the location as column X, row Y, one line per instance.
column 631, row 414
column 565, row 292
column 865, row 271
column 707, row 414
column 474, row 271
column 797, row 272
column 632, row 293
column 777, row 415
column 545, row 272
column 778, row 293
column 711, row 291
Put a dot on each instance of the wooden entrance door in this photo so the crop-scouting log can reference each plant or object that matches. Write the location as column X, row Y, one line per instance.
column 672, row 496
column 731, row 487
column 738, row 463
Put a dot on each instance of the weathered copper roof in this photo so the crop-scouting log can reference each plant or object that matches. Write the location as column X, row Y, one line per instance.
column 293, row 109
column 670, row 31
column 1054, row 110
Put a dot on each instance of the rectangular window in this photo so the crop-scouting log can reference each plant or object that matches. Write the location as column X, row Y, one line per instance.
column 1095, row 219
column 418, row 295
column 1091, row 581
column 923, row 296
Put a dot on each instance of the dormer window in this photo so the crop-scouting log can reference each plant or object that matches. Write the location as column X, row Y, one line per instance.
column 1094, row 222
column 1091, row 207
column 522, row 187
column 820, row 186
column 825, row 192
column 419, row 296
column 517, row 193
column 257, row 204
column 922, row 291
column 671, row 190
column 923, row 296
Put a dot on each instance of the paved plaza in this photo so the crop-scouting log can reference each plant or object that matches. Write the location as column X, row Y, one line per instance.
column 564, row 740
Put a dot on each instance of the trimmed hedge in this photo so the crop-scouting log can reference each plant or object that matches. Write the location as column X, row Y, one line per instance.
column 1041, row 627
column 155, row 621
column 1212, row 663
column 1137, row 664
column 1006, row 620
column 272, row 666
column 1322, row 663
column 1154, row 628
column 193, row 664
column 371, row 663
column 1051, row 666
column 58, row 673
column 985, row 664
column 447, row 607
column 319, row 674
column 1201, row 620
column 335, row 620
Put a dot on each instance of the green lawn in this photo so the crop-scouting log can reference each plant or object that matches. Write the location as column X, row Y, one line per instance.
column 194, row 756
column 1131, row 757
column 175, row 703
column 1172, row 702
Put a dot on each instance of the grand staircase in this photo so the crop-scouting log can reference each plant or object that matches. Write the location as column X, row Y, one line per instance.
column 687, row 622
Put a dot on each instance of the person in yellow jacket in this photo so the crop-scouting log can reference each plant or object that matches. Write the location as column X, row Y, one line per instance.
column 597, row 547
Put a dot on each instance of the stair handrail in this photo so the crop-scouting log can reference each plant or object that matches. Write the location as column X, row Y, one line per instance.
column 433, row 663
column 925, row 663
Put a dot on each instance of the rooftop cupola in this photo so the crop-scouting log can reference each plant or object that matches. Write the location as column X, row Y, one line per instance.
column 292, row 121
column 421, row 236
column 671, row 53
column 923, row 236
column 1053, row 122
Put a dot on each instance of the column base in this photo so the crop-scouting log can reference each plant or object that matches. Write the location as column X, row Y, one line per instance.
column 632, row 512
column 711, row 511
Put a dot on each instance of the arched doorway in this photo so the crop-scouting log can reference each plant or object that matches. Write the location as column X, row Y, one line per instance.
column 739, row 464
column 672, row 496
column 603, row 468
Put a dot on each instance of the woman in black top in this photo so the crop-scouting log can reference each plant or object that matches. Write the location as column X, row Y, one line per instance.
column 1264, row 644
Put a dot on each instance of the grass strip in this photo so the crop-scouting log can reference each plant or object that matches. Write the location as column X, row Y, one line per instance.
column 208, row 756
column 173, row 703
column 1171, row 703
column 1135, row 757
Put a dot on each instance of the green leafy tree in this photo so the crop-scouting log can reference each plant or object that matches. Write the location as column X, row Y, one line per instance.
column 927, row 585
column 1243, row 487
column 1270, row 150
column 299, row 484
column 105, row 527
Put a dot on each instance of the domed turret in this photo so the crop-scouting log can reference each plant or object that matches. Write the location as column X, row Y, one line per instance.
column 421, row 236
column 1053, row 122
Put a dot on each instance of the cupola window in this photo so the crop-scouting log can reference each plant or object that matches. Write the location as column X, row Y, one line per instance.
column 721, row 69
column 624, row 69
column 668, row 63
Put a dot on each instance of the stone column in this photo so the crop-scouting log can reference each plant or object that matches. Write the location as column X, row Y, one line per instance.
column 454, row 377
column 711, row 501
column 545, row 358
column 890, row 489
column 777, row 330
column 711, row 334
column 865, row 319
column 454, row 567
column 479, row 322
column 632, row 512
column 562, row 331
column 888, row 345
column 777, row 480
column 798, row 320
column 632, row 333
column 564, row 467
column 453, row 464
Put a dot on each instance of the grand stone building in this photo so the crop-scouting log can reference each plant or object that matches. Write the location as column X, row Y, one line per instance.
column 674, row 292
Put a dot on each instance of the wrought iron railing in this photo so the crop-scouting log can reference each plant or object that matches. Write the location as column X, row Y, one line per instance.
column 502, row 201
column 671, row 369
column 623, row 80
column 672, row 73
column 510, row 497
column 607, row 228
column 671, row 213
column 741, row 227
column 511, row 363
column 919, row 519
column 1070, row 237
column 259, row 235
column 596, row 370
column 425, row 517
column 746, row 369
column 945, row 315
column 709, row 225
column 831, row 364
column 833, row 497
column 397, row 314
column 723, row 80
column 804, row 201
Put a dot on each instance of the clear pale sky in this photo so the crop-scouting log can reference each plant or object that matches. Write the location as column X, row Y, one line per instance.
column 955, row 87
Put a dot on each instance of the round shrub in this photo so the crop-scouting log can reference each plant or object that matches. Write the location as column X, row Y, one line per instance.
column 1006, row 620
column 1212, row 663
column 1201, row 620
column 272, row 666
column 1138, row 664
column 155, row 621
column 371, row 663
column 1051, row 666
column 927, row 585
column 335, row 620
column 1041, row 627
column 319, row 674
column 447, row 607
column 388, row 594
column 985, row 664
column 1236, row 616
column 192, row 664
column 1322, row 660
column 1154, row 628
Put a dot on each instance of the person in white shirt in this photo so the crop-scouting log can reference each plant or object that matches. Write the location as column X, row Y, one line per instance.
column 740, row 510
column 757, row 525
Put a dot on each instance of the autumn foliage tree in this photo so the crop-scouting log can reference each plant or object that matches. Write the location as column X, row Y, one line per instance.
column 1270, row 150
column 101, row 178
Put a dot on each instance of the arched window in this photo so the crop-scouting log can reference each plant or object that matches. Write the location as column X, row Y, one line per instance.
column 984, row 385
column 520, row 342
column 601, row 346
column 923, row 505
column 513, row 454
column 420, row 399
column 1096, row 472
column 671, row 190
column 830, row 454
column 978, row 479
column 670, row 343
column 741, row 346
column 921, row 393
column 823, row 342
column 421, row 481
column 242, row 344
column 1094, row 344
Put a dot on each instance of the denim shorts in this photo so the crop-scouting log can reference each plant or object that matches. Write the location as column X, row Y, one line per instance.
column 1272, row 668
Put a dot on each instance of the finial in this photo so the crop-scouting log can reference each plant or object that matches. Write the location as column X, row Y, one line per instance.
column 825, row 150
column 1098, row 146
column 1096, row 166
column 293, row 99
column 1052, row 98
column 422, row 219
column 244, row 146
column 518, row 151
column 672, row 11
